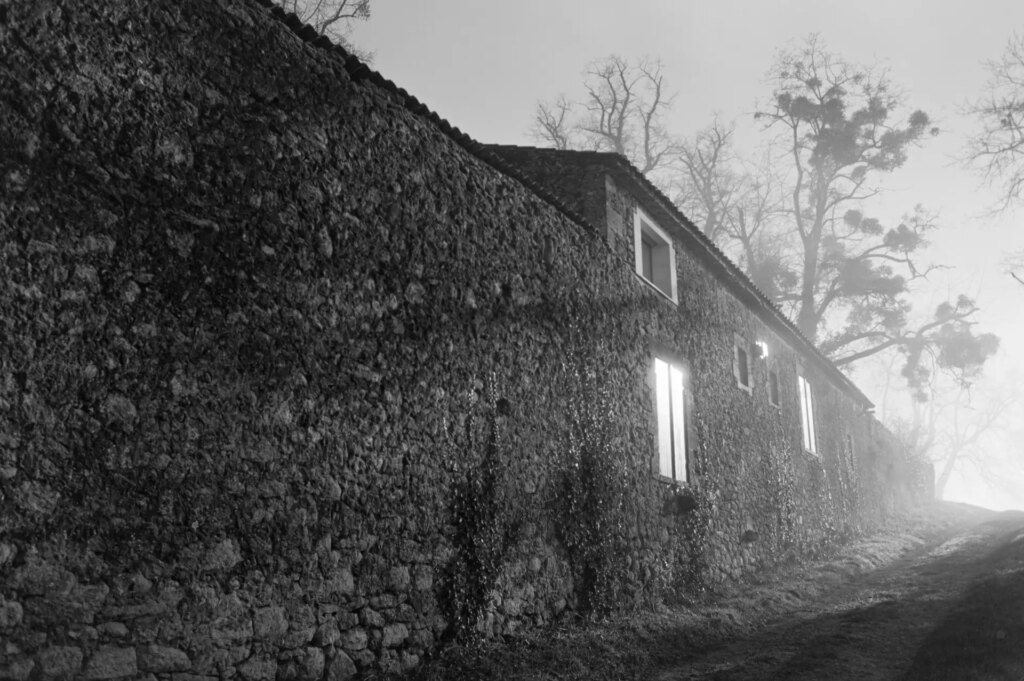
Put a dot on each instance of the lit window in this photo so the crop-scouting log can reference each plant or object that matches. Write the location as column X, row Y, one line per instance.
column 655, row 256
column 807, row 415
column 670, row 403
column 741, row 363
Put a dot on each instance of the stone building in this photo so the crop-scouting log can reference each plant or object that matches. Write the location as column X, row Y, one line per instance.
column 297, row 380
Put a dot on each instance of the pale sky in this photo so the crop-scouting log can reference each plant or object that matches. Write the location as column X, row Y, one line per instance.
column 484, row 65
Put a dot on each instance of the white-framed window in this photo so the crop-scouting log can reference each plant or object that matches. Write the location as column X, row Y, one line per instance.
column 670, row 410
column 741, row 362
column 807, row 415
column 655, row 255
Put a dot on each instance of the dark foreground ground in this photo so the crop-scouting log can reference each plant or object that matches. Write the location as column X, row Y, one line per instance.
column 938, row 596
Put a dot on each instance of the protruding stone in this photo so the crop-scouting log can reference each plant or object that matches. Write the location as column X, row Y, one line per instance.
column 110, row 663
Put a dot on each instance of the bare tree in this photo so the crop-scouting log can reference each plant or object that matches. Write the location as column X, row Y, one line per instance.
column 623, row 111
column 997, row 149
column 709, row 188
column 836, row 122
column 332, row 18
column 794, row 219
column 960, row 427
column 1014, row 264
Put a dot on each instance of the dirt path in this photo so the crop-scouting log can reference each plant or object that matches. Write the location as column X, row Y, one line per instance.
column 869, row 628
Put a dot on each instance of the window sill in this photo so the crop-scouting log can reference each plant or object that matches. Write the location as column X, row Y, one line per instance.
column 745, row 388
column 665, row 480
column 650, row 284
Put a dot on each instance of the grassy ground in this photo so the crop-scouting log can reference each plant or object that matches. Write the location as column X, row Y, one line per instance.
column 637, row 645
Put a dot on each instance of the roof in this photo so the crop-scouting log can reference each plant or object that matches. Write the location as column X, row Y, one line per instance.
column 654, row 200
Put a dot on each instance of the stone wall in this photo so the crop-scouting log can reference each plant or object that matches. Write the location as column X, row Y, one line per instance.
column 292, row 384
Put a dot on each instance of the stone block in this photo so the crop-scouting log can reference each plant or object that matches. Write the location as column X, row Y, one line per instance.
column 296, row 638
column 398, row 579
column 110, row 662
column 371, row 618
column 423, row 578
column 269, row 624
column 17, row 670
column 340, row 583
column 327, row 634
column 258, row 669
column 10, row 613
column 224, row 556
column 60, row 662
column 154, row 658
column 353, row 639
column 341, row 668
column 113, row 629
column 394, row 635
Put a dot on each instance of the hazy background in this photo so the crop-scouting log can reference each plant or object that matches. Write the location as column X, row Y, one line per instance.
column 485, row 65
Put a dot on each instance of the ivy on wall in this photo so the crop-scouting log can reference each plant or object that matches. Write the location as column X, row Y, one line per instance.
column 485, row 516
column 592, row 478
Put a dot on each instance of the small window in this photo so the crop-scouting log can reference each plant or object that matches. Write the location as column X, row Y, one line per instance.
column 670, row 408
column 741, row 363
column 655, row 255
column 807, row 415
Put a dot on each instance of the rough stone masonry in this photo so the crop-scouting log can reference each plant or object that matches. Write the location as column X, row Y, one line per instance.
column 263, row 322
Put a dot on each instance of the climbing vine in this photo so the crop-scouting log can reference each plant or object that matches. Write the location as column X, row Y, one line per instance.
column 592, row 480
column 485, row 518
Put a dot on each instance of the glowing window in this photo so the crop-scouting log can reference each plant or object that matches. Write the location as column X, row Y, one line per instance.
column 670, row 404
column 807, row 415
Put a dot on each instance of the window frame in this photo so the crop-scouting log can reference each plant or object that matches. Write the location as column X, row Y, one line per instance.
column 808, row 429
column 741, row 348
column 648, row 237
column 676, row 464
column 774, row 397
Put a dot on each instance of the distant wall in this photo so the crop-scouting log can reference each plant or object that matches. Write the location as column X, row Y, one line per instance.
column 290, row 382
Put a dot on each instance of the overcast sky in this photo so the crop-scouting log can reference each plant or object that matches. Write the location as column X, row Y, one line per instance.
column 484, row 65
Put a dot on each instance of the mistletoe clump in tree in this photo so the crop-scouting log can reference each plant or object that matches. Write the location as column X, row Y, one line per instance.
column 844, row 276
